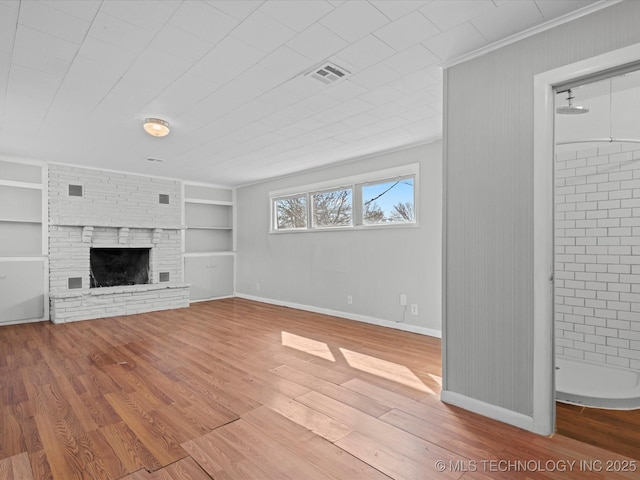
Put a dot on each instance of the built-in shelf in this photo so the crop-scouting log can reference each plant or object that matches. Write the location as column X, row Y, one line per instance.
column 23, row 250
column 18, row 220
column 208, row 241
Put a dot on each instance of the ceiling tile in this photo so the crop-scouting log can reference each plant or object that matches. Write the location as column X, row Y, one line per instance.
column 304, row 86
column 182, row 44
column 261, row 79
column 455, row 42
column 113, row 56
column 89, row 76
column 286, row 62
column 414, row 82
column 156, row 70
column 381, row 95
column 354, row 20
column 317, row 104
column 375, row 76
column 412, row 59
column 317, row 43
column 53, row 22
column 281, row 97
column 204, row 21
column 124, row 100
column 42, row 53
column 508, row 19
column 354, row 106
column 365, row 52
column 86, row 9
column 28, row 83
column 446, row 14
column 181, row 95
column 407, row 31
column 229, row 77
column 234, row 8
column 118, row 32
column 296, row 15
column 263, row 32
column 147, row 14
column 230, row 52
column 394, row 9
column 359, row 120
column 344, row 90
column 8, row 21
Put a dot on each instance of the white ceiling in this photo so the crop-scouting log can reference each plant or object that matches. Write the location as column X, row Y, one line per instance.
column 77, row 79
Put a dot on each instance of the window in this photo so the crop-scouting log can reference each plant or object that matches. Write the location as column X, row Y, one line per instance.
column 290, row 212
column 389, row 201
column 332, row 208
column 380, row 199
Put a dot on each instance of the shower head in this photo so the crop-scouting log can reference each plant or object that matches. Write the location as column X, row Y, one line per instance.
column 570, row 108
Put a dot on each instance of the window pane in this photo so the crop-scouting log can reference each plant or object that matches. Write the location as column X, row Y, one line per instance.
column 291, row 212
column 388, row 202
column 332, row 209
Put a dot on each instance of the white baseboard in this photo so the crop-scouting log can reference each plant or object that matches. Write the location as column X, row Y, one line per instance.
column 492, row 411
column 21, row 322
column 209, row 299
column 349, row 316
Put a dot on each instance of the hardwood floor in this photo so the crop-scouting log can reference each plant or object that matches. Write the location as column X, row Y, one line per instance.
column 234, row 389
column 614, row 430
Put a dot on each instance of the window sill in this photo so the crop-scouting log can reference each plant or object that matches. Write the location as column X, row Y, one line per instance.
column 346, row 229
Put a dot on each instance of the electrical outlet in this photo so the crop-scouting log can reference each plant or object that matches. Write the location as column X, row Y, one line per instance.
column 403, row 299
column 414, row 309
column 257, row 286
column 349, row 299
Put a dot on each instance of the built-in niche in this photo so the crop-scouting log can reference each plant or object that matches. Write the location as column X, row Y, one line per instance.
column 111, row 267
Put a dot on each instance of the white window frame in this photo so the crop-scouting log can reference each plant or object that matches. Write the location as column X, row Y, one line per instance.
column 388, row 180
column 355, row 183
column 311, row 208
column 274, row 213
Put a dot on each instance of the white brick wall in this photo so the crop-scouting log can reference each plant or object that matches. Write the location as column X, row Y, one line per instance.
column 112, row 199
column 115, row 210
column 597, row 249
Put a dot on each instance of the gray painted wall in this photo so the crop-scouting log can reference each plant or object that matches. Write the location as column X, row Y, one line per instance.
column 319, row 269
column 488, row 186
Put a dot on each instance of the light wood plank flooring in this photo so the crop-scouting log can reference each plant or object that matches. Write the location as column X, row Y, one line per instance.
column 234, row 389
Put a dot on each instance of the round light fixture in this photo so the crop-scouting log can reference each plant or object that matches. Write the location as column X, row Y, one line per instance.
column 156, row 127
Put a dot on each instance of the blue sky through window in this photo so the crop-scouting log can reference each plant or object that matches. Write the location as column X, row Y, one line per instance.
column 400, row 193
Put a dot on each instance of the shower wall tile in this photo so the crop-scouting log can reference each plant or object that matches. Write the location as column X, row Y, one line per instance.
column 597, row 255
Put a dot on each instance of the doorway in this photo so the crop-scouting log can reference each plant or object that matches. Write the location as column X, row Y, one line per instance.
column 544, row 410
column 597, row 245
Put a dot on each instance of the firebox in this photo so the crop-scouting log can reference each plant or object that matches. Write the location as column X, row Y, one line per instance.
column 111, row 267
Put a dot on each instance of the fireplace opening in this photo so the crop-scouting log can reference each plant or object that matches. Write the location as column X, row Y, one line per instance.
column 112, row 267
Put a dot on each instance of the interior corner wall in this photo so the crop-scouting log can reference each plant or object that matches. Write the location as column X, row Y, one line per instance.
column 317, row 270
column 488, row 185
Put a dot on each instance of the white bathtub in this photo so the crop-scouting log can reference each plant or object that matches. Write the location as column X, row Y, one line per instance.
column 580, row 382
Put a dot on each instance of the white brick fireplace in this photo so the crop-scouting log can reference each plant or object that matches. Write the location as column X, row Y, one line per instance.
column 98, row 209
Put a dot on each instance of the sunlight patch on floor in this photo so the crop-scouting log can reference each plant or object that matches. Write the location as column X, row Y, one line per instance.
column 385, row 369
column 304, row 344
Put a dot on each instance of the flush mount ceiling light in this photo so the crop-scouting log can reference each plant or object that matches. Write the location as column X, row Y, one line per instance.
column 156, row 127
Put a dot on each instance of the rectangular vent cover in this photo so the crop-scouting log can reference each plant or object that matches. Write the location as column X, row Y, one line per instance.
column 75, row 190
column 75, row 282
column 164, row 276
column 329, row 73
column 164, row 198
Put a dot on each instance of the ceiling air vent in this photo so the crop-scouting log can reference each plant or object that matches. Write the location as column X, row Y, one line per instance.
column 328, row 73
